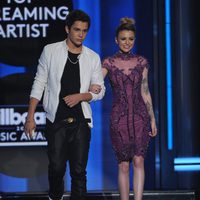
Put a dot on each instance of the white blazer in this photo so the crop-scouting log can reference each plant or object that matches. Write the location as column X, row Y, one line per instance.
column 49, row 72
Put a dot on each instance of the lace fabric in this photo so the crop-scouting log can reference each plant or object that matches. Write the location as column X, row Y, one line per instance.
column 129, row 120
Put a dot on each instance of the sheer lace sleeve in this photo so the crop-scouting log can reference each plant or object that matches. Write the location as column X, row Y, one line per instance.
column 106, row 64
column 144, row 62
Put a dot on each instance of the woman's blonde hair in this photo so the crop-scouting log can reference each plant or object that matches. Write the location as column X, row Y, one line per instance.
column 127, row 20
column 126, row 23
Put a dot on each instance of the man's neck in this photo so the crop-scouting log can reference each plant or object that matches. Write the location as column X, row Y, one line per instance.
column 73, row 48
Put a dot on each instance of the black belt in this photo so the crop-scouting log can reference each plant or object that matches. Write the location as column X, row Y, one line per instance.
column 70, row 120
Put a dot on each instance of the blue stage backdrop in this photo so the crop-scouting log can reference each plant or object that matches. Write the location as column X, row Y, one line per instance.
column 26, row 26
column 166, row 36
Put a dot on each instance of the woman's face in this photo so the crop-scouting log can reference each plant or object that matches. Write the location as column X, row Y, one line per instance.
column 125, row 40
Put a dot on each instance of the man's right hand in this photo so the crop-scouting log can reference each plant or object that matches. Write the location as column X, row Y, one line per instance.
column 29, row 127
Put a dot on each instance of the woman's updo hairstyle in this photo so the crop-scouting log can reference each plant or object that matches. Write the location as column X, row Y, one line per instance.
column 126, row 23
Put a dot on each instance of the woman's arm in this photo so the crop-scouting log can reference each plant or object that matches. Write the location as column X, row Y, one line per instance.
column 95, row 88
column 148, row 101
column 105, row 72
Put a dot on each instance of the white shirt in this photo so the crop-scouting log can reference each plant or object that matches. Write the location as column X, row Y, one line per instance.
column 49, row 72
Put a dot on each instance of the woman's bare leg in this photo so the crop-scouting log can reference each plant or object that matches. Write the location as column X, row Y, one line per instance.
column 139, row 176
column 123, row 180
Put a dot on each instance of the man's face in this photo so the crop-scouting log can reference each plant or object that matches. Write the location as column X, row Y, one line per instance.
column 77, row 33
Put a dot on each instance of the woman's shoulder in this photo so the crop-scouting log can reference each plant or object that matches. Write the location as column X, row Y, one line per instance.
column 107, row 59
column 142, row 59
column 110, row 57
column 107, row 62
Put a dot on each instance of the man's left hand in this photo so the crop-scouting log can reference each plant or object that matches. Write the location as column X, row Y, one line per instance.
column 72, row 99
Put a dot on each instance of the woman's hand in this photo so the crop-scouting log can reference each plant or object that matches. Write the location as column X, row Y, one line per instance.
column 94, row 88
column 154, row 131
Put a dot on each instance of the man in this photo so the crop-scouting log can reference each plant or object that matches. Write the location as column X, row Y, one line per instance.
column 65, row 71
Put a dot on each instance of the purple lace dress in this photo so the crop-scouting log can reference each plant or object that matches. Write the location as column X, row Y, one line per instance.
column 129, row 120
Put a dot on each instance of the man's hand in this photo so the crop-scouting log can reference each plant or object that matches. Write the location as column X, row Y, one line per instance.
column 29, row 127
column 73, row 99
column 94, row 88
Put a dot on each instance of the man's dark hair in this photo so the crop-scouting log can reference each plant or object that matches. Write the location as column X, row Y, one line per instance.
column 77, row 15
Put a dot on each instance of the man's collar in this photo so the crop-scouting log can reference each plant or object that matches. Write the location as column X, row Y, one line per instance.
column 67, row 47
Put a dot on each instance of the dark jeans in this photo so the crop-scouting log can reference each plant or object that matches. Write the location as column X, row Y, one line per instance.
column 67, row 143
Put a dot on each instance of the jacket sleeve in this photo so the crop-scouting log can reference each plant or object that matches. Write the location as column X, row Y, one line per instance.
column 40, row 80
column 97, row 78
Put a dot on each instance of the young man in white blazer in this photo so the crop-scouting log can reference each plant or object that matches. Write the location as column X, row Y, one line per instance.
column 65, row 71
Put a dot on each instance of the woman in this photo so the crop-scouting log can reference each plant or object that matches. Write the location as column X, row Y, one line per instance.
column 132, row 120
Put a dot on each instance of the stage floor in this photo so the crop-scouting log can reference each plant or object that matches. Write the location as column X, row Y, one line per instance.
column 107, row 195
